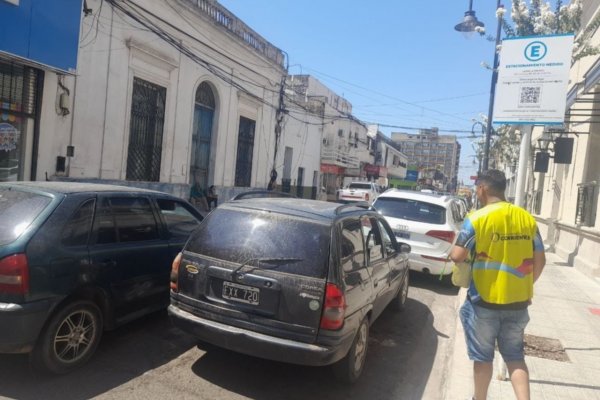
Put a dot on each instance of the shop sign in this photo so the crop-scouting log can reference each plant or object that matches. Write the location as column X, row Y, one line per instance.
column 9, row 137
column 332, row 169
column 412, row 175
column 372, row 169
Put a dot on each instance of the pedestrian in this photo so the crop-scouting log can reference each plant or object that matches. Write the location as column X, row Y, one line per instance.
column 508, row 257
column 212, row 197
column 198, row 197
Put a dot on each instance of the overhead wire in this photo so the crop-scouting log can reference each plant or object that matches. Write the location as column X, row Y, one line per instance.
column 223, row 75
column 218, row 72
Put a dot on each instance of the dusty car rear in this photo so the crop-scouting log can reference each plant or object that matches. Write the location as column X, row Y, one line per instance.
column 264, row 277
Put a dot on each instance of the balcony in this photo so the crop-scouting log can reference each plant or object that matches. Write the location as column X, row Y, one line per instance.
column 337, row 157
column 225, row 19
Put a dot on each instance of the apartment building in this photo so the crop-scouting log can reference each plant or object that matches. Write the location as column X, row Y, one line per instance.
column 428, row 151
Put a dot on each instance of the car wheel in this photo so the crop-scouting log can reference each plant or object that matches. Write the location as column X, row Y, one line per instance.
column 399, row 302
column 349, row 368
column 69, row 339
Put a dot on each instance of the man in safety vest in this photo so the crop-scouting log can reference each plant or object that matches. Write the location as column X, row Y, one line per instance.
column 508, row 257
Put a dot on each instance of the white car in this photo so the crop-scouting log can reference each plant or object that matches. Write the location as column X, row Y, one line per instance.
column 429, row 223
column 359, row 191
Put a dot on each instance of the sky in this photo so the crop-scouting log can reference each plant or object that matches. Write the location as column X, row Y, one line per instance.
column 398, row 62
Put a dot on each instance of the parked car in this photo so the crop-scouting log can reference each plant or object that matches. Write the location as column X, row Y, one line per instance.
column 359, row 191
column 428, row 222
column 291, row 280
column 78, row 258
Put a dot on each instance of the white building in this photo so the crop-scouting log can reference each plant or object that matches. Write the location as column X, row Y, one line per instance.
column 166, row 92
column 345, row 150
column 564, row 199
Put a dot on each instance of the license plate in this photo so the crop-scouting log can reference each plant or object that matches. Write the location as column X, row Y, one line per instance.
column 241, row 293
column 403, row 235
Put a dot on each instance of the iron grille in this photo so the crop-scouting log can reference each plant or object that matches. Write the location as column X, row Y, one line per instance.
column 146, row 131
column 587, row 200
column 18, row 88
column 243, row 166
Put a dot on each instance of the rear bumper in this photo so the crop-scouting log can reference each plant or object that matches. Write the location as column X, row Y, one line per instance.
column 419, row 263
column 258, row 344
column 21, row 325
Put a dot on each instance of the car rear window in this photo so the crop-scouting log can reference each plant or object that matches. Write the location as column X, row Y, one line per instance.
column 359, row 186
column 18, row 209
column 241, row 236
column 411, row 210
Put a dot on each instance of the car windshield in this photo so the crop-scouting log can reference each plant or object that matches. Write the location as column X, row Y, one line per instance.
column 359, row 186
column 411, row 210
column 18, row 209
column 239, row 236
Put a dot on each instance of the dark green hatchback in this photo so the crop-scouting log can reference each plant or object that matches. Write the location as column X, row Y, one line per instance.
column 79, row 258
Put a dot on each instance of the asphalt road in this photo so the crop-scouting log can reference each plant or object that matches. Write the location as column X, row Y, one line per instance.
column 150, row 359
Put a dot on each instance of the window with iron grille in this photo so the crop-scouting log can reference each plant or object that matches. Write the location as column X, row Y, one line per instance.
column 243, row 166
column 587, row 201
column 146, row 131
column 17, row 88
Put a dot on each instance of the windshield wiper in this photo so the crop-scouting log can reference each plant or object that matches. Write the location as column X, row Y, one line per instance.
column 276, row 261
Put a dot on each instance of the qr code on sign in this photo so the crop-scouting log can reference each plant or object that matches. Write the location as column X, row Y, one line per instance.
column 530, row 94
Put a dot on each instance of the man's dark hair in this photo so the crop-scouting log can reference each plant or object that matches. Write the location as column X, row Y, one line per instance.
column 494, row 180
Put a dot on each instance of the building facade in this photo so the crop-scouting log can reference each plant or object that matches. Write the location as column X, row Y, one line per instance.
column 345, row 147
column 429, row 151
column 564, row 197
column 166, row 94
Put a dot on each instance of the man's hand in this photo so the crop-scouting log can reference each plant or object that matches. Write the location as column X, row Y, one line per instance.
column 459, row 254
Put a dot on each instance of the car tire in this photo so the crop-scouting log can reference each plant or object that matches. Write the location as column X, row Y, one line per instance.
column 349, row 368
column 69, row 339
column 399, row 302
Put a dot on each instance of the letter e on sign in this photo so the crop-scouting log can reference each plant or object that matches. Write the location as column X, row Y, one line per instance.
column 535, row 51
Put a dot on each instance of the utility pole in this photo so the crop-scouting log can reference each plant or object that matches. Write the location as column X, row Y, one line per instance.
column 279, row 115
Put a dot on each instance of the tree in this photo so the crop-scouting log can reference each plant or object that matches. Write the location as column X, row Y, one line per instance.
column 538, row 18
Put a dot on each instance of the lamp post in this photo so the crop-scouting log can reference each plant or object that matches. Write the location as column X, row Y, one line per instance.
column 483, row 127
column 469, row 24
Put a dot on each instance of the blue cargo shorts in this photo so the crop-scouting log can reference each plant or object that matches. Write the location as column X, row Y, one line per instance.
column 484, row 326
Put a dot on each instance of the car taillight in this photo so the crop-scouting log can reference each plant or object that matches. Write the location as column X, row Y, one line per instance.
column 447, row 236
column 14, row 274
column 367, row 196
column 175, row 272
column 334, row 308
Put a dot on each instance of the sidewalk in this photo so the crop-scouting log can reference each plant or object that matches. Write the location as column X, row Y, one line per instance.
column 566, row 306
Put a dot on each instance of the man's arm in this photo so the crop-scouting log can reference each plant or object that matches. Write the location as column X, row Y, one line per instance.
column 539, row 256
column 464, row 243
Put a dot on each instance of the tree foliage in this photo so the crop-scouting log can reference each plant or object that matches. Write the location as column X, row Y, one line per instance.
column 540, row 18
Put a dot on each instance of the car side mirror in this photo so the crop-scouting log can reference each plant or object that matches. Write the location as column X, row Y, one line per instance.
column 404, row 248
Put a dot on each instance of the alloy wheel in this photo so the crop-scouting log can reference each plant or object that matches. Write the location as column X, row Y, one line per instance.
column 74, row 336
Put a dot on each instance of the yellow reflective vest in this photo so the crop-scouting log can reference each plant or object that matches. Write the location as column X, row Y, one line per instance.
column 503, row 259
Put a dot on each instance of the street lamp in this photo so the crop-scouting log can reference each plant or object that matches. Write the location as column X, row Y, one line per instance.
column 469, row 24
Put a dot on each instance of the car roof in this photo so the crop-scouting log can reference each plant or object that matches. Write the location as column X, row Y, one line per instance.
column 75, row 187
column 412, row 195
column 323, row 211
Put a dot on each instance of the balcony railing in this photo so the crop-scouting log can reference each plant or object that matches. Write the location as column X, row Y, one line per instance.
column 337, row 157
column 228, row 21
